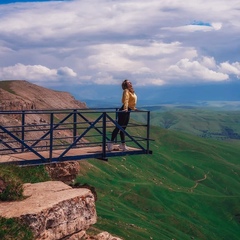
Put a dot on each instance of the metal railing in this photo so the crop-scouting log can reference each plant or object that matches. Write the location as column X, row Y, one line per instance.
column 39, row 131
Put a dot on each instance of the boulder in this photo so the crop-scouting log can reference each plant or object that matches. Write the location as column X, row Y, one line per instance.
column 53, row 210
column 84, row 236
column 106, row 236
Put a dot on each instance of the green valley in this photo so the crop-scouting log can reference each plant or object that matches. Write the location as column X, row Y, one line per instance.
column 188, row 189
column 208, row 122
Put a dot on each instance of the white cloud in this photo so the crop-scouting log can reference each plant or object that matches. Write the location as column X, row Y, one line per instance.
column 216, row 25
column 209, row 62
column 228, row 68
column 35, row 73
column 195, row 70
column 152, row 42
column 103, row 78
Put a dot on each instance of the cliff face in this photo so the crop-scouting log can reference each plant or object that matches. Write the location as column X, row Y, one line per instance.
column 53, row 210
column 56, row 211
column 22, row 95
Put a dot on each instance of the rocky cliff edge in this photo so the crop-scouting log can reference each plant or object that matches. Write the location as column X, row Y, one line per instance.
column 56, row 211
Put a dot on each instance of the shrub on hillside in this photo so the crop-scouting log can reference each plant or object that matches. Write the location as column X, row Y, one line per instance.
column 12, row 179
column 11, row 187
column 11, row 229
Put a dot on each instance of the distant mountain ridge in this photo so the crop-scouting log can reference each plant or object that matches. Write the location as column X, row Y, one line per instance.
column 23, row 95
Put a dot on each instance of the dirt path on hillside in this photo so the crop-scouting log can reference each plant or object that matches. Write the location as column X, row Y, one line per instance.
column 198, row 181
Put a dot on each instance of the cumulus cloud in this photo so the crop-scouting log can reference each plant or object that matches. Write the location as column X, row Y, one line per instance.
column 195, row 70
column 151, row 42
column 35, row 73
column 209, row 62
column 228, row 68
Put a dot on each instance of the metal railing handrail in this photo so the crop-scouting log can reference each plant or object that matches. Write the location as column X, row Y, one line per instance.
column 77, row 124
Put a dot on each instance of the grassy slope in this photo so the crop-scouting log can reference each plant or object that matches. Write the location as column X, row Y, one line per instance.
column 6, row 85
column 204, row 122
column 189, row 188
column 11, row 229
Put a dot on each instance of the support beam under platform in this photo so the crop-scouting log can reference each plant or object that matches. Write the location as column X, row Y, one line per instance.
column 29, row 158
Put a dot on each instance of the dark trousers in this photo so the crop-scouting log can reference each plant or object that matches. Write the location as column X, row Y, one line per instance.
column 123, row 119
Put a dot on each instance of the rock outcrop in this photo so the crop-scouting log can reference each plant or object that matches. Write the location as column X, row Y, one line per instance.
column 103, row 236
column 23, row 95
column 53, row 210
column 63, row 171
column 13, row 102
column 20, row 95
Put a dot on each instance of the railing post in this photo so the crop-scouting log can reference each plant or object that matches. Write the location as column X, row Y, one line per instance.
column 116, row 119
column 148, row 130
column 23, row 129
column 104, row 136
column 51, row 137
column 74, row 125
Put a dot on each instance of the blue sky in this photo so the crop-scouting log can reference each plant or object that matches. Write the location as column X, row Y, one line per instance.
column 84, row 46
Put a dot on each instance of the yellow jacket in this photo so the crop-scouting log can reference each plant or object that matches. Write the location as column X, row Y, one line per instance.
column 129, row 100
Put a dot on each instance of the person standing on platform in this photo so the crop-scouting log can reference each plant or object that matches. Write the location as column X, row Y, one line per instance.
column 129, row 101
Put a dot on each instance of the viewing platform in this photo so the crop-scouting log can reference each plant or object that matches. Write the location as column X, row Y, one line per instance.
column 34, row 137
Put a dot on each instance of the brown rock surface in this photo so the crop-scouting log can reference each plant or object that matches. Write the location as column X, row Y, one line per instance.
column 105, row 236
column 53, row 209
column 23, row 95
column 63, row 171
column 84, row 236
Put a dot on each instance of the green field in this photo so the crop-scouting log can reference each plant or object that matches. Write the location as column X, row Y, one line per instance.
column 208, row 122
column 188, row 189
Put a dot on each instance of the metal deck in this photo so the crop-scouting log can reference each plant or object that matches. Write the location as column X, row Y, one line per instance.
column 29, row 158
